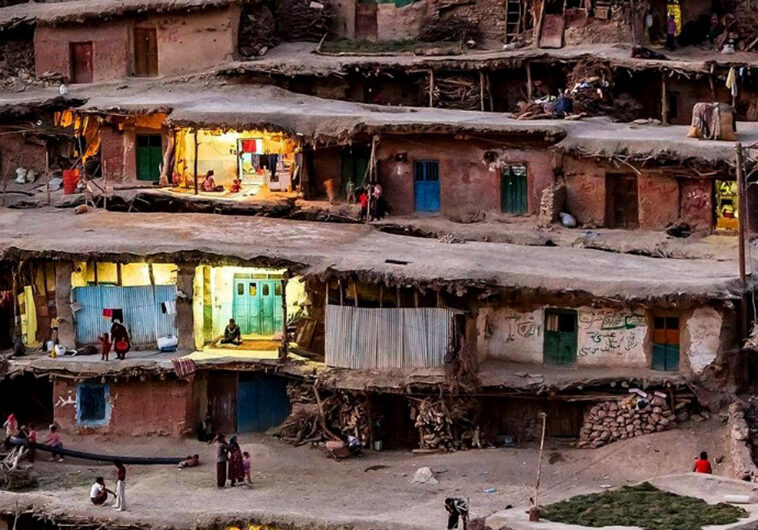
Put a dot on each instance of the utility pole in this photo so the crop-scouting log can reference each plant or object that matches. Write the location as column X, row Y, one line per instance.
column 534, row 511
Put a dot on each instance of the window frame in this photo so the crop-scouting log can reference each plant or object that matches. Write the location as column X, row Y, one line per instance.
column 93, row 422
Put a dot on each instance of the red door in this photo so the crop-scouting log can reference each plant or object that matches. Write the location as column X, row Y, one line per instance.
column 365, row 20
column 81, row 62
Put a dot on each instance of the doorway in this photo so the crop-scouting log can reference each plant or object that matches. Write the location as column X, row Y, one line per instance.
column 257, row 305
column 560, row 336
column 354, row 161
column 366, row 26
column 621, row 202
column 513, row 190
column 666, row 344
column 149, row 156
column 426, row 185
column 80, row 54
column 145, row 52
column 262, row 402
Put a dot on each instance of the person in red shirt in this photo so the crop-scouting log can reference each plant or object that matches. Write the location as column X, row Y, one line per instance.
column 702, row 465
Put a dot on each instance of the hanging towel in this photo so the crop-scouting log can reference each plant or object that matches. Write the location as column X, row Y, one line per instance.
column 731, row 81
column 168, row 307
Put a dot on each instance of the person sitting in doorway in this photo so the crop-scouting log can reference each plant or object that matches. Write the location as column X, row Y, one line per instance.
column 209, row 184
column 232, row 334
column 98, row 493
column 120, row 339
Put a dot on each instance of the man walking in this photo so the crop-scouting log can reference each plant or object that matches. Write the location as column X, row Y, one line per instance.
column 120, row 503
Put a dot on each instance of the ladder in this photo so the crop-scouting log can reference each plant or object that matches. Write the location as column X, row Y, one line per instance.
column 513, row 20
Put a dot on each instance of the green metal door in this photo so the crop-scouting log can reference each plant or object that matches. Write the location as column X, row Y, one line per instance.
column 666, row 344
column 149, row 156
column 513, row 190
column 257, row 306
column 560, row 336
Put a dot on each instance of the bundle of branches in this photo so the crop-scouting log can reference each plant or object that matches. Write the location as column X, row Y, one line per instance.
column 303, row 20
column 455, row 92
column 450, row 29
column 446, row 423
column 257, row 30
column 13, row 475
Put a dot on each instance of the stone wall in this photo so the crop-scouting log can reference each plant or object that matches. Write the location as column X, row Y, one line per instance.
column 739, row 443
column 633, row 416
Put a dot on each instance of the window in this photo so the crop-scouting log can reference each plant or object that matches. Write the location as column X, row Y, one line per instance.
column 265, row 289
column 278, row 289
column 666, row 343
column 426, row 170
column 92, row 407
column 240, row 289
column 253, row 289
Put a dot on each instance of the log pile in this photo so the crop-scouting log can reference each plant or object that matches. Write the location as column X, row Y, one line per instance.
column 590, row 88
column 450, row 29
column 455, row 92
column 746, row 16
column 446, row 423
column 633, row 416
column 344, row 414
column 17, row 67
column 303, row 20
column 257, row 32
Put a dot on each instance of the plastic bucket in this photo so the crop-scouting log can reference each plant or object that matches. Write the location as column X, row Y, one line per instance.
column 70, row 180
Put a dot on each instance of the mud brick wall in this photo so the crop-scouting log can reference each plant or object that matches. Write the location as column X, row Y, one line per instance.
column 137, row 408
column 611, row 421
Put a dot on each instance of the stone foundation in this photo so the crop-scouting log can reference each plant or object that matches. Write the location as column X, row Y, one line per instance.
column 610, row 421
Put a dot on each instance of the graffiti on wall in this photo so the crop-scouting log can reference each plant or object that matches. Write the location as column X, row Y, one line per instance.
column 605, row 332
column 522, row 325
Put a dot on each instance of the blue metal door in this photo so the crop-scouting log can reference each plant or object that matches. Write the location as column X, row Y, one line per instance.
column 426, row 186
column 262, row 402
column 257, row 306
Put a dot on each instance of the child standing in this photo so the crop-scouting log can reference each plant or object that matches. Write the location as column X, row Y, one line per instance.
column 54, row 441
column 105, row 347
column 120, row 503
column 246, row 467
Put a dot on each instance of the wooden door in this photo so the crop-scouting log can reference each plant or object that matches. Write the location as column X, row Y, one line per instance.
column 80, row 54
column 666, row 344
column 560, row 336
column 222, row 401
column 145, row 52
column 366, row 27
column 149, row 156
column 621, row 202
column 513, row 190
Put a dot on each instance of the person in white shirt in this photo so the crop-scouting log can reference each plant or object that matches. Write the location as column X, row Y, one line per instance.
column 98, row 493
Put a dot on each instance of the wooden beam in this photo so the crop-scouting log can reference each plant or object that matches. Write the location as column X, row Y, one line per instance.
column 664, row 99
column 431, row 88
column 285, row 346
column 47, row 172
column 529, row 88
column 381, row 295
column 481, row 90
column 355, row 294
column 196, row 161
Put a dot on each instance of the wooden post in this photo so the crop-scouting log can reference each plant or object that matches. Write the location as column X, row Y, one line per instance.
column 664, row 100
column 415, row 297
column 151, row 273
column 105, row 187
column 540, row 21
column 397, row 290
column 381, row 295
column 119, row 273
column 47, row 174
column 529, row 89
column 355, row 293
column 16, row 322
column 481, row 90
column 326, row 294
column 285, row 347
column 534, row 511
column 741, row 210
column 431, row 88
column 439, row 298
column 195, row 161
column 489, row 92
column 339, row 286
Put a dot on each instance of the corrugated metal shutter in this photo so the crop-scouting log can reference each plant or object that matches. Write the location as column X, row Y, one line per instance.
column 142, row 312
column 372, row 338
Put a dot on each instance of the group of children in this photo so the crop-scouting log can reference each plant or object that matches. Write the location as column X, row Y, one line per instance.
column 29, row 434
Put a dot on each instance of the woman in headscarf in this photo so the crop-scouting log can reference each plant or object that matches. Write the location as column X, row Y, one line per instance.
column 11, row 429
column 236, row 465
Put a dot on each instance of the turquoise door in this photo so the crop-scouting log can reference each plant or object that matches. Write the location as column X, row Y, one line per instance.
column 257, row 306
column 426, row 186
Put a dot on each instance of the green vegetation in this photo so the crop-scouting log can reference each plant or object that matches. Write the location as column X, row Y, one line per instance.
column 645, row 506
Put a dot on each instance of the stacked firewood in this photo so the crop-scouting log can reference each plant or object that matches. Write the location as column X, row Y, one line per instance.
column 312, row 420
column 455, row 92
column 451, row 29
column 257, row 32
column 303, row 20
column 445, row 424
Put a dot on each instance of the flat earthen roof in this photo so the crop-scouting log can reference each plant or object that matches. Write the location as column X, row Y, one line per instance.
column 321, row 249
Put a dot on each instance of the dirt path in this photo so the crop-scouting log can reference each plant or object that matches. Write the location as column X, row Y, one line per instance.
column 300, row 486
